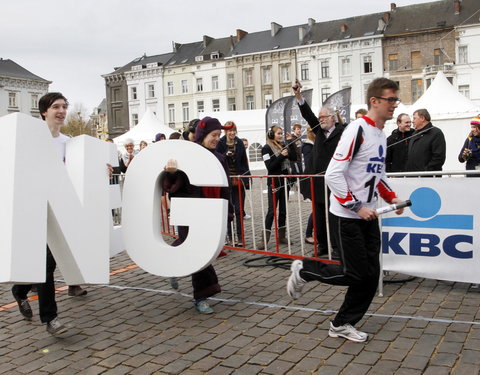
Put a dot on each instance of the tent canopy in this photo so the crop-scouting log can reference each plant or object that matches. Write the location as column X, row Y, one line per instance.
column 145, row 130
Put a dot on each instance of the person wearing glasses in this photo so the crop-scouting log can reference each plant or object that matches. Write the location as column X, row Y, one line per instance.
column 356, row 176
column 427, row 149
column 397, row 144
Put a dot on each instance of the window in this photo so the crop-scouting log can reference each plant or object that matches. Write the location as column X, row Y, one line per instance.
column 134, row 119
column 232, row 106
column 216, row 105
column 465, row 90
column 267, row 76
column 249, row 102
column 186, row 116
column 184, row 86
column 170, row 88
column 151, row 91
column 200, row 106
column 285, row 73
column 12, row 99
column 462, row 54
column 437, row 56
column 133, row 93
column 304, row 74
column 415, row 59
column 393, row 61
column 248, row 77
column 116, row 95
column 268, row 100
column 255, row 152
column 215, row 55
column 325, row 65
column 34, row 101
column 171, row 113
column 215, row 83
column 345, row 63
column 325, row 93
column 199, row 84
column 231, row 81
column 367, row 64
column 417, row 89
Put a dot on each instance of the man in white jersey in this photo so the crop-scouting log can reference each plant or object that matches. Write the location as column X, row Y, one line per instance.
column 53, row 109
column 355, row 176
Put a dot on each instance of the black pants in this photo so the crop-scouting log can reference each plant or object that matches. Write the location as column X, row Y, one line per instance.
column 236, row 198
column 359, row 250
column 280, row 203
column 45, row 291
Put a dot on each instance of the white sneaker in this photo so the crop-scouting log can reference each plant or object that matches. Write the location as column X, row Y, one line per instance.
column 247, row 217
column 347, row 331
column 295, row 283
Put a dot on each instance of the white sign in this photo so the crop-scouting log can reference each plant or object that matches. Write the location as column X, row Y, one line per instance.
column 437, row 237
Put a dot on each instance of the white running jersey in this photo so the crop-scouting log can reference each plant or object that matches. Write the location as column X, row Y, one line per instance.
column 356, row 180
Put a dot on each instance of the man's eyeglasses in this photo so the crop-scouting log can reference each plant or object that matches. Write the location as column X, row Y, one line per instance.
column 390, row 100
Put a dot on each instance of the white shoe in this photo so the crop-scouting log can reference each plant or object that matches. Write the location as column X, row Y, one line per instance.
column 247, row 217
column 295, row 283
column 348, row 332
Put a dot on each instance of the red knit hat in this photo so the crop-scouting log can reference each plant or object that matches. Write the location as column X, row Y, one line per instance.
column 208, row 125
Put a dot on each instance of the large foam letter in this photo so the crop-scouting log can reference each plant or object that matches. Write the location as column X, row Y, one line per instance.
column 141, row 219
column 42, row 200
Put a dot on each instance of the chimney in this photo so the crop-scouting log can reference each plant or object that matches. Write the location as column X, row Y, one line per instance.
column 386, row 18
column 175, row 46
column 240, row 34
column 311, row 22
column 275, row 28
column 301, row 33
column 343, row 27
column 457, row 6
column 206, row 41
column 393, row 6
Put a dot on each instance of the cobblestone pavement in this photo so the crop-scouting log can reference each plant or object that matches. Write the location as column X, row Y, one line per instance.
column 139, row 325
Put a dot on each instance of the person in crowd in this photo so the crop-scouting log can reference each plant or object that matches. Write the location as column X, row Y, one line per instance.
column 277, row 158
column 53, row 108
column 397, row 144
column 470, row 152
column 297, row 167
column 307, row 151
column 143, row 144
column 355, row 176
column 176, row 184
column 360, row 113
column 159, row 137
column 232, row 148
column 328, row 133
column 130, row 153
column 189, row 133
column 245, row 143
column 175, row 135
column 427, row 148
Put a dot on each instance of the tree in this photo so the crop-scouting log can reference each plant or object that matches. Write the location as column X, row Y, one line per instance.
column 75, row 123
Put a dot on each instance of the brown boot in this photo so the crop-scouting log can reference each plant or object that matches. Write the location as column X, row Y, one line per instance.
column 262, row 244
column 281, row 235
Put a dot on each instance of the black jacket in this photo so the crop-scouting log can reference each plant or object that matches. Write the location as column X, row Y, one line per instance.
column 274, row 163
column 427, row 150
column 397, row 154
column 323, row 150
column 240, row 161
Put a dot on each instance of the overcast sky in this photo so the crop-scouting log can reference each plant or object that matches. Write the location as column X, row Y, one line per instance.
column 74, row 42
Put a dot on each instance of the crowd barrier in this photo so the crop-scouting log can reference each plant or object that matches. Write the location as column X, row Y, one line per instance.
column 435, row 238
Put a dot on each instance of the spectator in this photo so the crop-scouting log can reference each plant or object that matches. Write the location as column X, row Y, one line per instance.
column 143, row 144
column 297, row 167
column 175, row 135
column 232, row 148
column 307, row 151
column 397, row 144
column 360, row 113
column 277, row 158
column 427, row 148
column 470, row 151
column 127, row 158
column 159, row 137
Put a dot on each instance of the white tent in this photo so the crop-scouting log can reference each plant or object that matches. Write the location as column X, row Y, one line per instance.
column 145, row 130
column 451, row 112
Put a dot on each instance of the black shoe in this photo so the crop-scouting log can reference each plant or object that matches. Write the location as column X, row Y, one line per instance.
column 76, row 291
column 24, row 307
column 55, row 326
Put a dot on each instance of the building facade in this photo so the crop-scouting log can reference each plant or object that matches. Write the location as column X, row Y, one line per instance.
column 20, row 89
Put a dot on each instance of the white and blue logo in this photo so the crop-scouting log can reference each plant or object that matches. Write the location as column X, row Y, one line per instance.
column 426, row 205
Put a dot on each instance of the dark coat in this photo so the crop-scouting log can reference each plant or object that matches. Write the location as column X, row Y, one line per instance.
column 473, row 144
column 322, row 152
column 427, row 150
column 274, row 163
column 398, row 153
column 240, row 161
